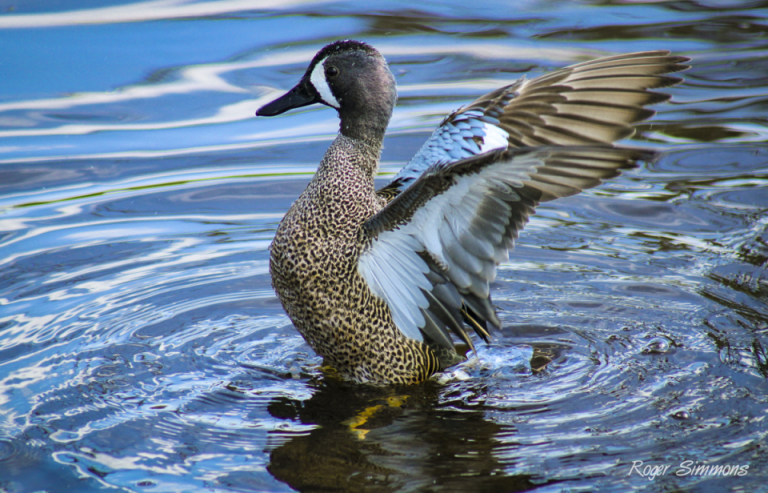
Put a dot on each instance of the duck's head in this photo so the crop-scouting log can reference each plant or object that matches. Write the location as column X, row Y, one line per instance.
column 350, row 76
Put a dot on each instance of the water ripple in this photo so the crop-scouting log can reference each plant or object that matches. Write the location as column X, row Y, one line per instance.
column 142, row 346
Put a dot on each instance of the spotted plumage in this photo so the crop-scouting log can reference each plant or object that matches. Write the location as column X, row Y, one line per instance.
column 377, row 282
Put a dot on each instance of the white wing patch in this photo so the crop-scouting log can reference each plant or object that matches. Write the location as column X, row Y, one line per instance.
column 321, row 84
column 495, row 138
column 464, row 135
column 397, row 253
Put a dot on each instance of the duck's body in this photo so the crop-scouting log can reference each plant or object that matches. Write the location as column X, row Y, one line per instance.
column 377, row 281
column 314, row 271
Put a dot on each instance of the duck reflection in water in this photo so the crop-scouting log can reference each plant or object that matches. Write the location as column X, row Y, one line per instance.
column 388, row 439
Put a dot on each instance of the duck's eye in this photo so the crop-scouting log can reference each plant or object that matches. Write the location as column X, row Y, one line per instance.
column 331, row 71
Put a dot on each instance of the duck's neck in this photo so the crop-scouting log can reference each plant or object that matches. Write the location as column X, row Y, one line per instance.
column 350, row 158
column 366, row 130
column 365, row 119
column 343, row 186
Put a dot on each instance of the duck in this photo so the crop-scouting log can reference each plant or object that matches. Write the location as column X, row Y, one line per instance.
column 378, row 282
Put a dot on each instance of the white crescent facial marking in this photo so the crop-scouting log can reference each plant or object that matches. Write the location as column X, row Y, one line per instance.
column 321, row 85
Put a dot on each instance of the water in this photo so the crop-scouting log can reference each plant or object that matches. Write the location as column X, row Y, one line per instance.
column 142, row 347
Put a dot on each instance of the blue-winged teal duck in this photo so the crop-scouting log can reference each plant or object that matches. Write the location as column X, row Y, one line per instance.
column 378, row 281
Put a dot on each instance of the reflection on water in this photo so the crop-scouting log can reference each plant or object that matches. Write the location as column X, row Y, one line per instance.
column 396, row 439
column 141, row 344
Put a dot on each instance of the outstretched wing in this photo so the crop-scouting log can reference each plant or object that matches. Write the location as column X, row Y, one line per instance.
column 595, row 102
column 433, row 250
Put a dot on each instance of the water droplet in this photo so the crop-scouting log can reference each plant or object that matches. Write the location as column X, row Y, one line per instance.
column 657, row 345
column 682, row 414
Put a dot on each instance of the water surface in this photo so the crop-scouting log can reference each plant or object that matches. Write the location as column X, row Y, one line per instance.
column 142, row 347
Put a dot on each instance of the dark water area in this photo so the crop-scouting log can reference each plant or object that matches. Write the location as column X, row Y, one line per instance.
column 143, row 349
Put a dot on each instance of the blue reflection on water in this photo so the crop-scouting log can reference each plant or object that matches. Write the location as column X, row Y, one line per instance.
column 141, row 345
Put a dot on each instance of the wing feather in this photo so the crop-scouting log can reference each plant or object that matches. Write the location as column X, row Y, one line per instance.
column 594, row 102
column 432, row 252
